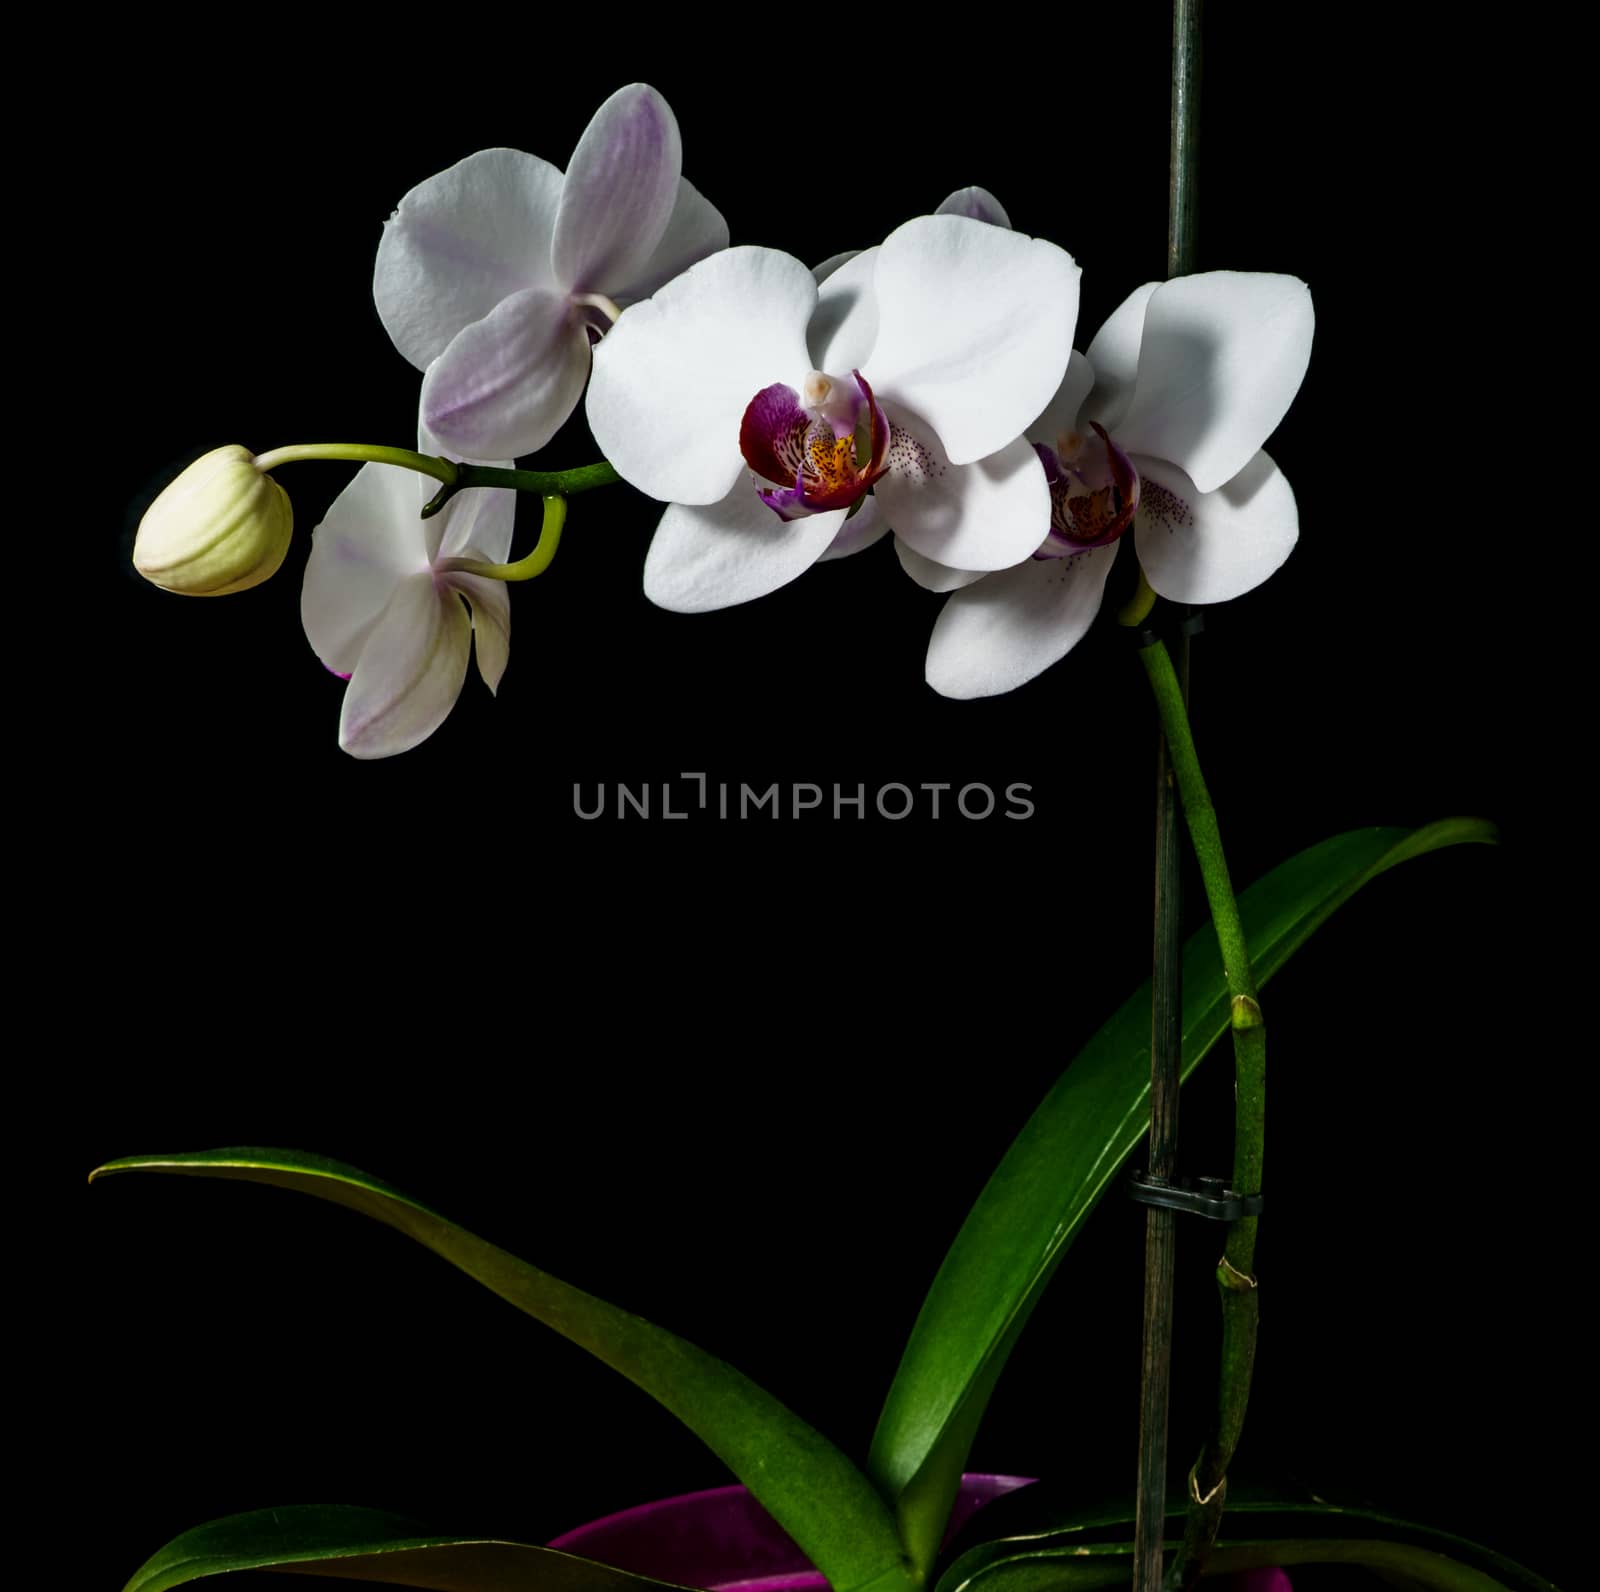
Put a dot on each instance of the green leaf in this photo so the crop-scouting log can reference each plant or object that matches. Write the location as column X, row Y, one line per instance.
column 370, row 1545
column 1037, row 1546
column 1062, row 1162
column 821, row 1499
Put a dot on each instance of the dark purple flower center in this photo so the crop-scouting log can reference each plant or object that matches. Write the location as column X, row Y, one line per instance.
column 1094, row 492
column 821, row 448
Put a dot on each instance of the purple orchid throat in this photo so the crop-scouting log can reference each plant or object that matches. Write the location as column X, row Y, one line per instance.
column 1094, row 492
column 831, row 441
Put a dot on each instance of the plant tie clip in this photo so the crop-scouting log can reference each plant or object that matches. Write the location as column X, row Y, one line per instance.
column 1199, row 1196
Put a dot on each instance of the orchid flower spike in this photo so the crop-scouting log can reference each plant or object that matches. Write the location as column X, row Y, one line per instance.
column 222, row 526
column 382, row 611
column 493, row 276
column 1158, row 431
column 762, row 408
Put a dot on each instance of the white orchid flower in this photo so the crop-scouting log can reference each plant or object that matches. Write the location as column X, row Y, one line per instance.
column 867, row 526
column 381, row 612
column 1160, row 431
column 492, row 276
column 761, row 408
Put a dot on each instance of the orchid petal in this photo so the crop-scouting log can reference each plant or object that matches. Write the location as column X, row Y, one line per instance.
column 410, row 671
column 977, row 204
column 1001, row 632
column 490, row 602
column 703, row 558
column 508, row 383
column 860, row 531
column 831, row 264
column 1061, row 414
column 479, row 524
column 974, row 329
column 370, row 540
column 931, row 576
column 1208, row 547
column 695, row 230
column 1114, row 357
column 459, row 243
column 673, row 377
column 987, row 515
column 620, row 192
column 1223, row 355
column 483, row 516
column 844, row 325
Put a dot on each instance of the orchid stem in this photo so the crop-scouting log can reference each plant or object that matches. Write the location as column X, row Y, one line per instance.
column 454, row 477
column 546, row 483
column 1235, row 1277
column 536, row 563
column 361, row 452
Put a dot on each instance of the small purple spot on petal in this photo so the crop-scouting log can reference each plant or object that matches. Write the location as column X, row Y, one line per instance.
column 1166, row 509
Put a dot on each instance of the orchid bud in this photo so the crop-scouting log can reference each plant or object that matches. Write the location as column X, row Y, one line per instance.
column 222, row 526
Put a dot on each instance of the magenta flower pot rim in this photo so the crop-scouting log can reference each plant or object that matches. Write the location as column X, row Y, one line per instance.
column 642, row 1512
column 722, row 1539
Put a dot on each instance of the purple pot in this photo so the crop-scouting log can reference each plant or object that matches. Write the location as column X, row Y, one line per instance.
column 724, row 1541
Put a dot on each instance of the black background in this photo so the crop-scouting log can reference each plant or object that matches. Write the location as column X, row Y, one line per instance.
column 745, row 1078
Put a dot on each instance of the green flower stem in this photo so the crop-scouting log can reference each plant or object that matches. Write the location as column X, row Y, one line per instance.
column 454, row 477
column 545, row 482
column 536, row 563
column 363, row 453
column 1235, row 1276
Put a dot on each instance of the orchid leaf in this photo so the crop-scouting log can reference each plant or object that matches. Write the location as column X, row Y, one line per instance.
column 370, row 1545
column 821, row 1499
column 1065, row 1158
column 1036, row 1545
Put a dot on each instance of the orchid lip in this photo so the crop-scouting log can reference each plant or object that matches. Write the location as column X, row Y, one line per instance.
column 820, row 448
column 1093, row 498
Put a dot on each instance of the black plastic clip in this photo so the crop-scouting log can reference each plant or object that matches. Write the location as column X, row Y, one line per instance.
column 1200, row 1196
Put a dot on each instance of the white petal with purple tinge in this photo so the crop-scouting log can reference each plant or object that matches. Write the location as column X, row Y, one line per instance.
column 370, row 540
column 1208, row 547
column 1223, row 355
column 844, row 325
column 931, row 576
column 974, row 329
column 462, row 241
column 1001, row 632
column 986, row 515
column 490, row 601
column 695, row 230
column 620, row 192
column 508, row 383
column 479, row 523
column 708, row 557
column 673, row 377
column 978, row 204
column 1114, row 356
column 410, row 671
